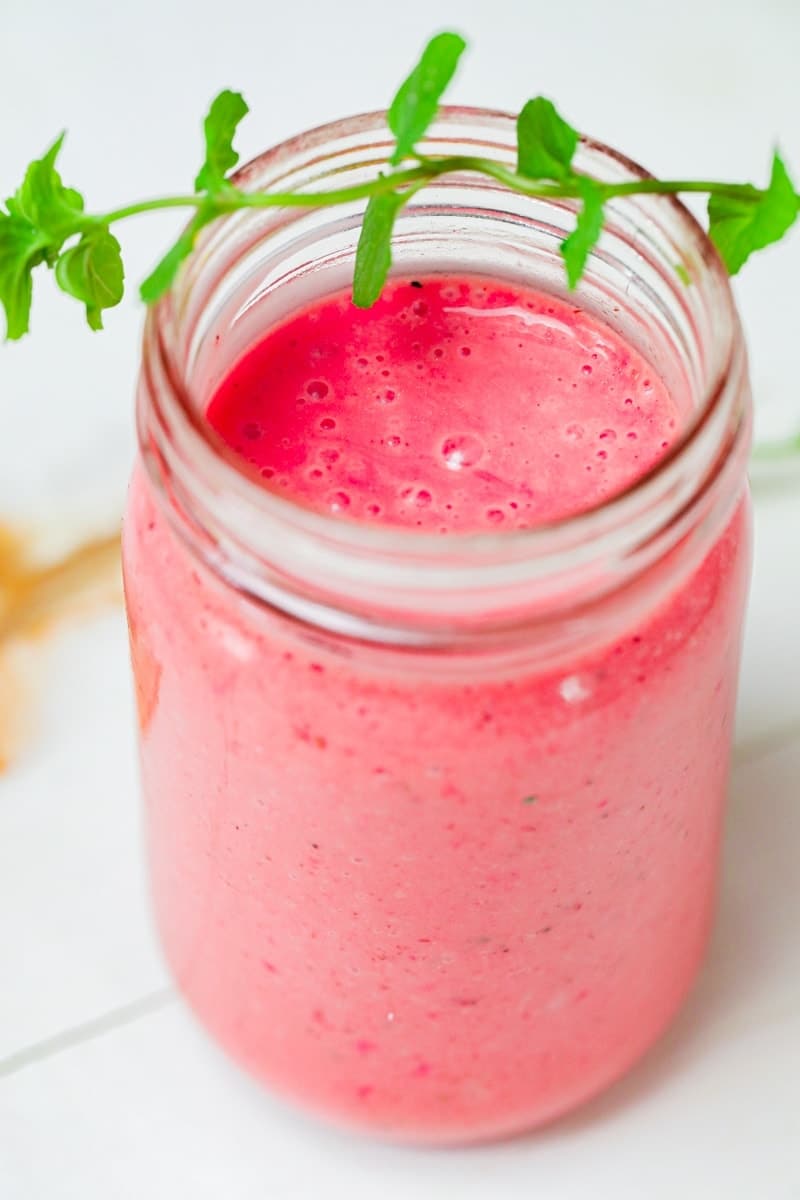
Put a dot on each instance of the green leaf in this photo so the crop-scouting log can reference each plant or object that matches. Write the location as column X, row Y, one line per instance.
column 42, row 199
column 163, row 275
column 226, row 111
column 21, row 249
column 92, row 272
column 576, row 248
column 41, row 215
column 546, row 144
column 417, row 99
column 374, row 253
column 740, row 225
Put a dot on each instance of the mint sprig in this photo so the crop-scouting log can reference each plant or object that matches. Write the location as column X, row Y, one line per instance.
column 45, row 223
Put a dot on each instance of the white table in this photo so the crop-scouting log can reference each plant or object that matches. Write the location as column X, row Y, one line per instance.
column 107, row 1089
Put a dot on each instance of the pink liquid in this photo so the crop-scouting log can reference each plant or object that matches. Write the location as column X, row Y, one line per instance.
column 439, row 906
column 456, row 405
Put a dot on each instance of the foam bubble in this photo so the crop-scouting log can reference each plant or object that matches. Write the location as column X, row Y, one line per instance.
column 461, row 450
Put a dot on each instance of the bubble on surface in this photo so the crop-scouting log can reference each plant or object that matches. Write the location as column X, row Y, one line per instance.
column 339, row 501
column 317, row 390
column 608, row 435
column 574, row 689
column 496, row 516
column 461, row 450
column 327, row 423
column 329, row 456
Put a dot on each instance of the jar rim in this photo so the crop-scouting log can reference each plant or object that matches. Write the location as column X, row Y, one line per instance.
column 545, row 540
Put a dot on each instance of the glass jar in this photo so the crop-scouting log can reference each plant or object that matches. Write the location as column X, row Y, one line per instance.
column 434, row 821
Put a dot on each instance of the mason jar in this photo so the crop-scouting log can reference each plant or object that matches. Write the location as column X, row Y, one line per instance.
column 433, row 821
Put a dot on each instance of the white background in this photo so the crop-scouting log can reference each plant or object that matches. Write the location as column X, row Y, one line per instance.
column 106, row 1087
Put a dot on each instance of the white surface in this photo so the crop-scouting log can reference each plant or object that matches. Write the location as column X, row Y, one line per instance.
column 106, row 1088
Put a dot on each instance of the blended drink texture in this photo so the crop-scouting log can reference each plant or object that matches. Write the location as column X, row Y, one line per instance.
column 440, row 905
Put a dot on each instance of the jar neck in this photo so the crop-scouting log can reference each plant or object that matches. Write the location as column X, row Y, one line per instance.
column 409, row 587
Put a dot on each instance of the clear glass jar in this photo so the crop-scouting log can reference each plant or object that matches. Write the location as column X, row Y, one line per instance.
column 434, row 822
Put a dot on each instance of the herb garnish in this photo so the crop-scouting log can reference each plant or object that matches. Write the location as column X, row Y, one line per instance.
column 46, row 224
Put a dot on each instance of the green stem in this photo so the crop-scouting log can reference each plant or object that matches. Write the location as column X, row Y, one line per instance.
column 236, row 200
column 133, row 210
column 427, row 170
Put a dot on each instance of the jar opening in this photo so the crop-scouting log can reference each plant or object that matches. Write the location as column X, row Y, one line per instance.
column 255, row 267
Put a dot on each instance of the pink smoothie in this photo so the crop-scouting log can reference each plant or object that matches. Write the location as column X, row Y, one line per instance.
column 441, row 905
column 454, row 405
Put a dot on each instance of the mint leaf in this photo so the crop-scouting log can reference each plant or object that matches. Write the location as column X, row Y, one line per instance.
column 224, row 115
column 374, row 253
column 226, row 111
column 92, row 272
column 162, row 277
column 417, row 99
column 21, row 249
column 576, row 248
column 740, row 225
column 40, row 216
column 546, row 144
column 42, row 199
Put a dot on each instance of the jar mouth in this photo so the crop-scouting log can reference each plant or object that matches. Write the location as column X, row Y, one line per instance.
column 618, row 525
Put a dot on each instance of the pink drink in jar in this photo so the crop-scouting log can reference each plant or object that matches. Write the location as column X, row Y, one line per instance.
column 435, row 613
